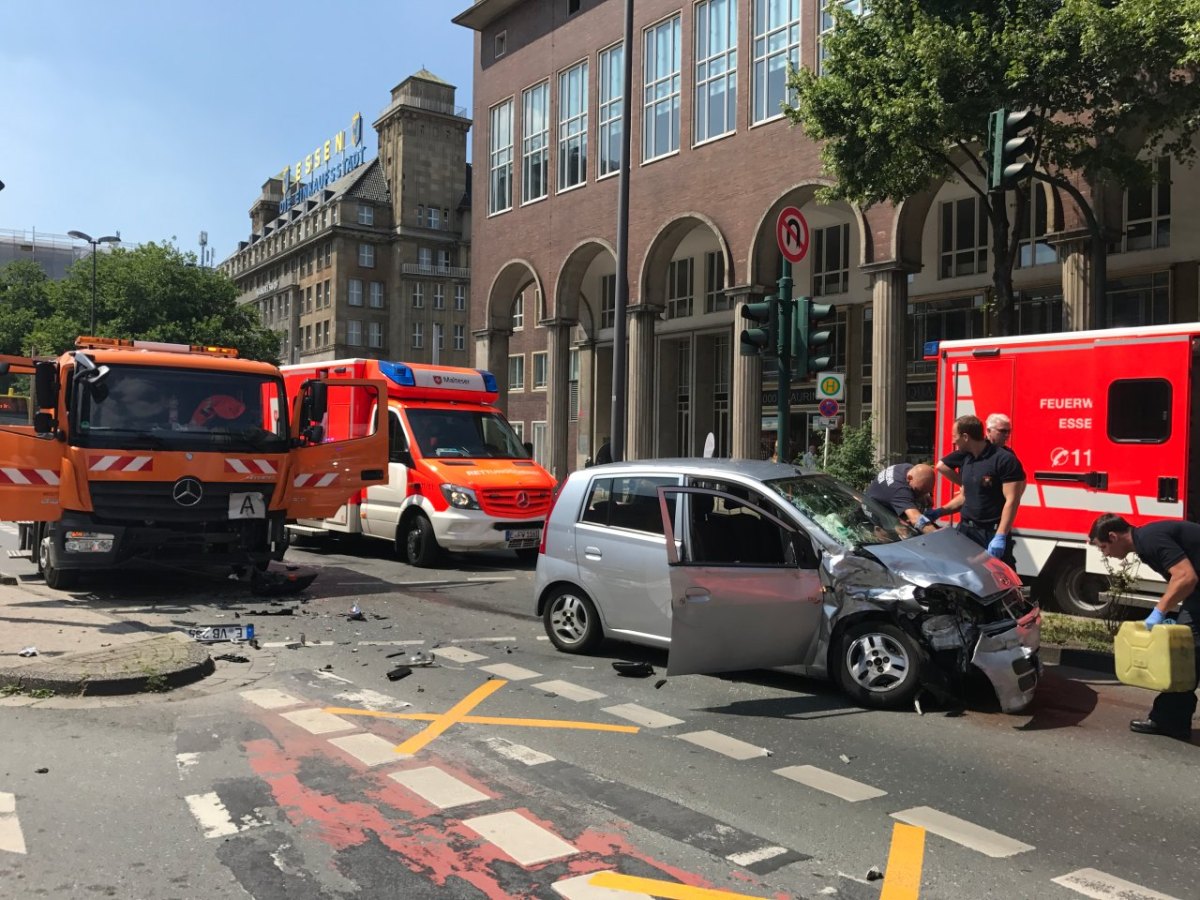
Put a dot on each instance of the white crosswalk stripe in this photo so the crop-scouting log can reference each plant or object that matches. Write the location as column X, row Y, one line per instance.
column 720, row 743
column 12, row 839
column 518, row 752
column 437, row 787
column 522, row 840
column 579, row 888
column 569, row 691
column 640, row 715
column 1102, row 886
column 317, row 721
column 457, row 654
column 968, row 834
column 831, row 783
column 215, row 819
column 369, row 749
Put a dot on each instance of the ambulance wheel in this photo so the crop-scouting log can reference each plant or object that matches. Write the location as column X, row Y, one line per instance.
column 56, row 578
column 1078, row 593
column 420, row 546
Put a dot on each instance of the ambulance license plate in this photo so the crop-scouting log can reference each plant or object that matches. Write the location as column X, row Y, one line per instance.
column 523, row 536
column 210, row 634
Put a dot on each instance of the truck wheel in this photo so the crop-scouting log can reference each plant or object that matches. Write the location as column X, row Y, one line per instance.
column 877, row 665
column 420, row 546
column 571, row 620
column 1077, row 592
column 55, row 577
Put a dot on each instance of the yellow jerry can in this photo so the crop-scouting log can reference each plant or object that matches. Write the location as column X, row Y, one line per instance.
column 1162, row 658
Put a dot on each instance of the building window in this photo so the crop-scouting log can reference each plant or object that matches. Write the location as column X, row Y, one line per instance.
column 328, row 253
column 354, row 295
column 716, row 68
column 439, row 296
column 829, row 23
column 964, row 238
column 366, row 256
column 715, row 298
column 831, row 260
column 518, row 317
column 307, row 337
column 679, row 288
column 1148, row 212
column 439, row 336
column 572, row 126
column 500, row 158
column 1034, row 250
column 572, row 7
column 683, row 399
column 1038, row 313
column 418, row 335
column 516, row 373
column 573, row 369
column 460, row 337
column 375, row 334
column 325, row 333
column 541, row 445
column 608, row 301
column 535, row 142
column 424, row 257
column 540, row 366
column 435, row 214
column 722, row 367
column 776, row 44
column 660, row 119
column 460, row 297
column 354, row 332
column 377, row 295
column 328, row 294
column 418, row 295
column 308, row 299
column 500, row 47
column 1138, row 300
column 443, row 258
column 366, row 214
column 518, row 429
column 941, row 320
column 612, row 94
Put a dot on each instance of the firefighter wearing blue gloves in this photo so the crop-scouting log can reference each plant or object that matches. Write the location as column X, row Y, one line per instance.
column 992, row 484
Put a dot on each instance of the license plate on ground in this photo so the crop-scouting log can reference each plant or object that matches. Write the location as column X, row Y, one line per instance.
column 209, row 634
column 523, row 535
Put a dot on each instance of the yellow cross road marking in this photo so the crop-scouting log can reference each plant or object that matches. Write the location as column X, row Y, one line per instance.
column 670, row 890
column 903, row 878
column 439, row 722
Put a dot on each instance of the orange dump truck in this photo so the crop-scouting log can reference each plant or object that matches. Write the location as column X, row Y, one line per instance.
column 182, row 454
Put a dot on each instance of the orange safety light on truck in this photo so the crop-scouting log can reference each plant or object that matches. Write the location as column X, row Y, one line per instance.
column 459, row 478
column 173, row 452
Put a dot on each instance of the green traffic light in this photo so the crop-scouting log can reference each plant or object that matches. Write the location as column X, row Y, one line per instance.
column 1007, row 147
column 763, row 339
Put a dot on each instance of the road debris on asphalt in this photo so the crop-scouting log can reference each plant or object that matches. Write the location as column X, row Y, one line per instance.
column 233, row 657
column 28, row 651
column 399, row 672
column 631, row 669
column 659, row 683
column 874, row 873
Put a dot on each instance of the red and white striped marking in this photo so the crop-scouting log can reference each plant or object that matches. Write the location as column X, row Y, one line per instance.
column 315, row 479
column 117, row 463
column 13, row 475
column 250, row 466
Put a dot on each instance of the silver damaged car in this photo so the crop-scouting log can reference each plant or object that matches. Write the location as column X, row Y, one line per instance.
column 737, row 565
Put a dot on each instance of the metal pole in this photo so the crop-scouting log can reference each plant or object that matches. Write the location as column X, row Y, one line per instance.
column 93, row 331
column 621, row 304
column 783, row 437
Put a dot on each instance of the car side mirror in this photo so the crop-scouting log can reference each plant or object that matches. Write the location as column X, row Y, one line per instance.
column 528, row 445
column 313, row 434
column 43, row 423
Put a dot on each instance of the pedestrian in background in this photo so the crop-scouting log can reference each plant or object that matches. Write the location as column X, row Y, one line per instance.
column 905, row 489
column 604, row 454
column 992, row 484
column 1172, row 549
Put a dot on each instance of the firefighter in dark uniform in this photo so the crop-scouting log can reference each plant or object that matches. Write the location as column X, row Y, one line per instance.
column 992, row 484
column 904, row 489
column 1172, row 549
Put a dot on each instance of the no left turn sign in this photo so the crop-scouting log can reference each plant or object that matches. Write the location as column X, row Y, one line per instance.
column 791, row 230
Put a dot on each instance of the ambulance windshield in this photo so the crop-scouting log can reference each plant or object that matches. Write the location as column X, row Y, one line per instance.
column 154, row 407
column 465, row 433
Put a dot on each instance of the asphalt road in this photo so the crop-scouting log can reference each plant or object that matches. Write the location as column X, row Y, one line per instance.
column 765, row 784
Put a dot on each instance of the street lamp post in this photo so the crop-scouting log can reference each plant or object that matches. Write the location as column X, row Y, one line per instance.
column 95, row 242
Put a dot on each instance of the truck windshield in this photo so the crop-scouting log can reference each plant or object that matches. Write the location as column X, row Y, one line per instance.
column 181, row 409
column 849, row 517
column 467, row 433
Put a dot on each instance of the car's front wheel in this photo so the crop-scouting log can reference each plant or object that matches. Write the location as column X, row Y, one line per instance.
column 877, row 665
column 571, row 621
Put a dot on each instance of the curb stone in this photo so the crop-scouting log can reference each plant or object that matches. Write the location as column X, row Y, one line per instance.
column 1077, row 658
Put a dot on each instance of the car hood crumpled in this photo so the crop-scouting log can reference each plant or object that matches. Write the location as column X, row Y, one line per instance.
column 946, row 557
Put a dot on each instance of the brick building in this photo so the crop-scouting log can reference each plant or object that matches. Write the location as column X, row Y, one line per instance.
column 350, row 256
column 712, row 164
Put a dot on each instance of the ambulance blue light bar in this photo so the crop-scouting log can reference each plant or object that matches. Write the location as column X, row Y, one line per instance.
column 399, row 373
column 931, row 349
column 489, row 381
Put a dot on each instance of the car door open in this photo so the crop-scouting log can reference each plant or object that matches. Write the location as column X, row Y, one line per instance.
column 745, row 589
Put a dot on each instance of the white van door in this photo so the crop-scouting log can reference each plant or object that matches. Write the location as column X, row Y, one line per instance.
column 382, row 504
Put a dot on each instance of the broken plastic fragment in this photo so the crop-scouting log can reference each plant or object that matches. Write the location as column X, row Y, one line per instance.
column 399, row 672
column 28, row 651
column 633, row 669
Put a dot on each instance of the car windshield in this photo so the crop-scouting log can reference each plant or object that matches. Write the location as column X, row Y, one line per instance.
column 181, row 409
column 848, row 516
column 464, row 433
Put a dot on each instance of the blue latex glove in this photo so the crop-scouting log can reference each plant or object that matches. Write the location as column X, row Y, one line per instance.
column 997, row 544
column 933, row 514
column 924, row 522
column 1155, row 618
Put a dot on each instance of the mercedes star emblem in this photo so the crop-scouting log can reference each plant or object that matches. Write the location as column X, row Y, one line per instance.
column 187, row 492
column 522, row 499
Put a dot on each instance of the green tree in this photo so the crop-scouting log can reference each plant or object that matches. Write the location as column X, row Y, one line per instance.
column 855, row 460
column 153, row 292
column 905, row 91
column 26, row 298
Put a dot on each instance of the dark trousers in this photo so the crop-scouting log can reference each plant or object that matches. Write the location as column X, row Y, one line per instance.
column 1174, row 711
column 982, row 534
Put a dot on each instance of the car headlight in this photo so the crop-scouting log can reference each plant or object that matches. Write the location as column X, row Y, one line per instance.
column 460, row 497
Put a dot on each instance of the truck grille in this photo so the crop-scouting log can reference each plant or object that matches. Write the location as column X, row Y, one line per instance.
column 515, row 503
column 145, row 501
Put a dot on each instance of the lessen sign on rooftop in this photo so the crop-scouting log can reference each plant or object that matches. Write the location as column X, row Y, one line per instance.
column 332, row 156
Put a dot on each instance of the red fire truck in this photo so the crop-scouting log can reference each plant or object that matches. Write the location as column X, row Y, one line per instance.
column 1103, row 422
column 459, row 478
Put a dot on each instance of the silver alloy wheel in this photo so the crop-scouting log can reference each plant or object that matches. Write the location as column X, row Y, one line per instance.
column 44, row 553
column 877, row 662
column 569, row 617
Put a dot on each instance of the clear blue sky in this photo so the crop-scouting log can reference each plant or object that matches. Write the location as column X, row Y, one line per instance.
column 161, row 119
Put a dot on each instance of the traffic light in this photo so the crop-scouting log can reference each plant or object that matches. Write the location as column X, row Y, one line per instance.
column 763, row 340
column 809, row 341
column 1006, row 147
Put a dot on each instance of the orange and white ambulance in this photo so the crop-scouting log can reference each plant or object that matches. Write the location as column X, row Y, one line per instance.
column 1103, row 421
column 459, row 478
column 182, row 454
